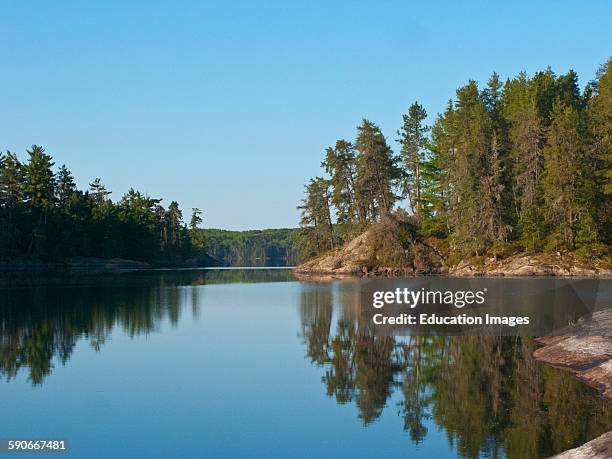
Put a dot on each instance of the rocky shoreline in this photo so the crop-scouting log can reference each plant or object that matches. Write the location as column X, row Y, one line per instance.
column 585, row 349
column 521, row 265
column 599, row 448
column 95, row 265
column 354, row 259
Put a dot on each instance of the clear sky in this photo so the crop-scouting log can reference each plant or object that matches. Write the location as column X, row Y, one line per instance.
column 228, row 106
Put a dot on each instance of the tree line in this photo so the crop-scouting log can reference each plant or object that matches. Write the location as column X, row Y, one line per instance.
column 269, row 247
column 44, row 216
column 521, row 164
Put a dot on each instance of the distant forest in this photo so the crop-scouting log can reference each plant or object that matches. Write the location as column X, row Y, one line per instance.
column 519, row 165
column 44, row 216
column 270, row 247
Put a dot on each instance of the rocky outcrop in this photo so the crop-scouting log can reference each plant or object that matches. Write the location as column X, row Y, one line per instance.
column 585, row 349
column 599, row 448
column 563, row 265
column 361, row 256
column 348, row 260
column 92, row 264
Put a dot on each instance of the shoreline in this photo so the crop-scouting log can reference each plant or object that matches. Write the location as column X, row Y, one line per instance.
column 584, row 350
column 341, row 264
column 97, row 265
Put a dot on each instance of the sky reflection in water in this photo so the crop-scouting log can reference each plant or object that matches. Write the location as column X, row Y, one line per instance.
column 248, row 363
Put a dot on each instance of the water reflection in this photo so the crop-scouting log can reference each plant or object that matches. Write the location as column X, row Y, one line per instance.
column 487, row 393
column 43, row 317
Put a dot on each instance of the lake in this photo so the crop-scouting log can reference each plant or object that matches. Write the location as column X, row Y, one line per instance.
column 254, row 363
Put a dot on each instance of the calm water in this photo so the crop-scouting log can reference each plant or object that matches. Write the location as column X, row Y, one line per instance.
column 248, row 363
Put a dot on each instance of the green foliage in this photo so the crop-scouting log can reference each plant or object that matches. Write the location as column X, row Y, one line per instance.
column 561, row 186
column 198, row 240
column 599, row 114
column 377, row 170
column 414, row 142
column 340, row 164
column 270, row 247
column 588, row 243
column 44, row 216
column 532, row 229
column 39, row 185
column 317, row 231
column 525, row 161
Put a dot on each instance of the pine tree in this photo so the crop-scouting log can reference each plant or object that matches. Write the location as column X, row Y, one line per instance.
column 339, row 163
column 600, row 123
column 196, row 218
column 495, row 229
column 175, row 223
column 561, row 177
column 65, row 186
column 11, row 182
column 39, row 187
column 377, row 171
column 438, row 184
column 198, row 240
column 317, row 234
column 472, row 142
column 526, row 143
column 414, row 143
column 98, row 193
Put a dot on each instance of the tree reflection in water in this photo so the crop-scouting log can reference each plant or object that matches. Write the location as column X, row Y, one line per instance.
column 487, row 393
column 42, row 318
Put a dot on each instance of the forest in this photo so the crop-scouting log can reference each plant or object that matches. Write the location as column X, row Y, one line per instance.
column 270, row 247
column 44, row 216
column 519, row 165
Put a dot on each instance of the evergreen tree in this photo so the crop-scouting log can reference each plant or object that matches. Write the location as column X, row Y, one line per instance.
column 98, row 193
column 438, row 185
column 495, row 229
column 11, row 182
column 561, row 177
column 45, row 216
column 317, row 233
column 414, row 143
column 65, row 187
column 39, row 187
column 377, row 171
column 472, row 139
column 526, row 139
column 196, row 219
column 339, row 163
column 196, row 234
column 175, row 223
column 600, row 122
column 527, row 160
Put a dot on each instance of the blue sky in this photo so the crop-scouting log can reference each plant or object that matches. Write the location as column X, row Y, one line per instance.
column 228, row 106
